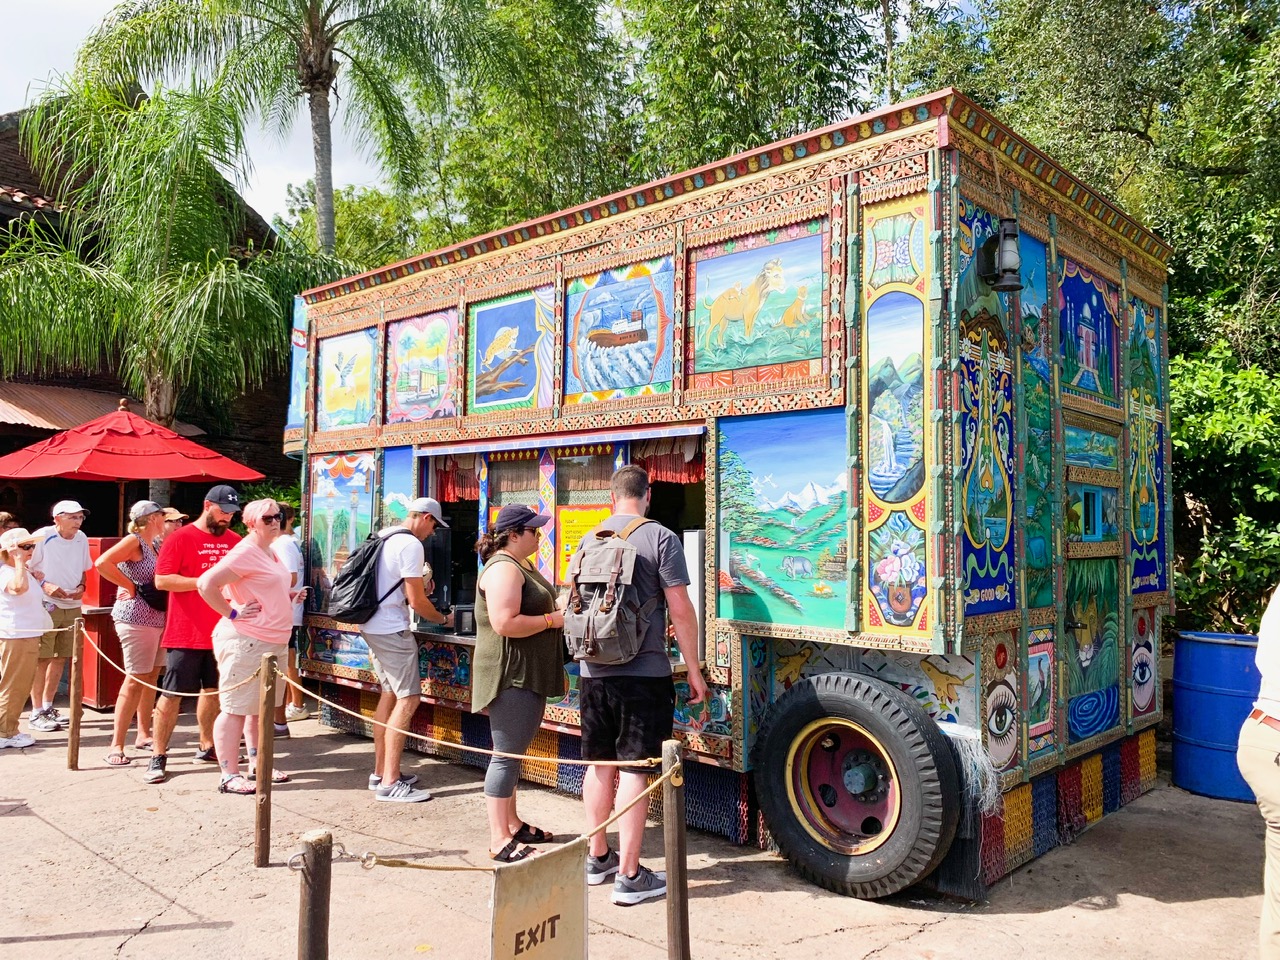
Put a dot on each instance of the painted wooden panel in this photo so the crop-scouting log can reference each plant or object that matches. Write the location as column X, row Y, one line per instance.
column 422, row 375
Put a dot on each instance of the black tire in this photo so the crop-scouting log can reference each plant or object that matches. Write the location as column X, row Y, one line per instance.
column 842, row 727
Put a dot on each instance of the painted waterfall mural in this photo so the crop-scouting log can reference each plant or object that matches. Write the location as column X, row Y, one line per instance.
column 987, row 454
column 895, row 397
column 618, row 340
column 784, row 499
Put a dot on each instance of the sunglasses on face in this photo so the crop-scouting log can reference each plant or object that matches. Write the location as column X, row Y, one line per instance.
column 26, row 546
column 271, row 518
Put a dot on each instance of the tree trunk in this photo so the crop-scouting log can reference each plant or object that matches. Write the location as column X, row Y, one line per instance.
column 322, row 145
column 160, row 402
column 886, row 7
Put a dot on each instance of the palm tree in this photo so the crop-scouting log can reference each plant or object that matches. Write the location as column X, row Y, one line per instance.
column 141, row 277
column 274, row 52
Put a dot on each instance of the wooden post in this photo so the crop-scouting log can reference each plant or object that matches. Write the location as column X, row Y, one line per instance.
column 674, row 841
column 266, row 758
column 313, row 902
column 77, row 695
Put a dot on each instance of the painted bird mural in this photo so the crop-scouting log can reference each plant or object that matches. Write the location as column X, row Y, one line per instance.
column 501, row 346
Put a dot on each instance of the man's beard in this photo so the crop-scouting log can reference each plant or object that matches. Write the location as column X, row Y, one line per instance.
column 217, row 527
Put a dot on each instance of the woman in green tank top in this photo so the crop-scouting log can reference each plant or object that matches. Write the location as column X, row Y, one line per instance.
column 519, row 662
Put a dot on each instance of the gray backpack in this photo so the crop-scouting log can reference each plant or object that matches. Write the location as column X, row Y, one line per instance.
column 604, row 622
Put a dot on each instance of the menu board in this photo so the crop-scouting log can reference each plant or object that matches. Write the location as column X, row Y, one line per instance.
column 572, row 524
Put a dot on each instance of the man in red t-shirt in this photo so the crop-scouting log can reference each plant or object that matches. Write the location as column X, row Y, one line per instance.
column 190, row 667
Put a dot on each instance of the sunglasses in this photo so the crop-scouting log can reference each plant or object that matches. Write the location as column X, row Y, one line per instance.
column 26, row 546
column 270, row 518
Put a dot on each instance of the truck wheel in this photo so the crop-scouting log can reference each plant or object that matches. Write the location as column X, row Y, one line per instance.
column 857, row 785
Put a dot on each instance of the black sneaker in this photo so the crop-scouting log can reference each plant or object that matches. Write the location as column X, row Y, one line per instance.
column 206, row 756
column 155, row 770
column 600, row 869
column 645, row 885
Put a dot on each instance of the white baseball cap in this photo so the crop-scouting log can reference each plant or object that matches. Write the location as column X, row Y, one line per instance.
column 429, row 506
column 68, row 506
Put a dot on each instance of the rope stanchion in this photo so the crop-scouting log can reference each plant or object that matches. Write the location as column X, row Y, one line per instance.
column 675, row 846
column 265, row 760
column 647, row 762
column 77, row 694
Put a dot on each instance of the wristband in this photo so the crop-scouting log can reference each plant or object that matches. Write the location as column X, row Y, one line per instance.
column 233, row 614
column 550, row 623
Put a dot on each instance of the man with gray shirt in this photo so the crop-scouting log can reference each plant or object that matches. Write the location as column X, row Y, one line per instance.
column 628, row 708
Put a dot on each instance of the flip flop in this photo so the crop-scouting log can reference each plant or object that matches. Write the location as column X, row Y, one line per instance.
column 116, row 758
column 528, row 834
column 509, row 853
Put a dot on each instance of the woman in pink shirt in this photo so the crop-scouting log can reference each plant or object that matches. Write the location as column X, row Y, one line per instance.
column 249, row 588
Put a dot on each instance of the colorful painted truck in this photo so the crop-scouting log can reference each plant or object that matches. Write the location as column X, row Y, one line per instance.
column 899, row 383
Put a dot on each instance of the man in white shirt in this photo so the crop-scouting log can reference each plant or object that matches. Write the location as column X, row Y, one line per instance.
column 393, row 649
column 61, row 563
column 1258, row 757
column 287, row 549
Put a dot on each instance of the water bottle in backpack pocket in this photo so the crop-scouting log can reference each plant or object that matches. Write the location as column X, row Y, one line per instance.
column 605, row 622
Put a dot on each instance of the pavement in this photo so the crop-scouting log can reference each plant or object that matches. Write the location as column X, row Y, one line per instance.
column 96, row 864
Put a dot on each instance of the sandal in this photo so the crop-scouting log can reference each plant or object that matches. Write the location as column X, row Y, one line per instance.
column 528, row 834
column 117, row 758
column 509, row 853
column 277, row 776
column 146, row 746
column 238, row 785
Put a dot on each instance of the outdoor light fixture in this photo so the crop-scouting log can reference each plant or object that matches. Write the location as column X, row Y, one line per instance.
column 999, row 262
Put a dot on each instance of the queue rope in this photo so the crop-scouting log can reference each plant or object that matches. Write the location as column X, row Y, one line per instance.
column 370, row 860
column 142, row 683
column 648, row 762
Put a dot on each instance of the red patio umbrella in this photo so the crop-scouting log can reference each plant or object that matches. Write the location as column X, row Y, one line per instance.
column 118, row 447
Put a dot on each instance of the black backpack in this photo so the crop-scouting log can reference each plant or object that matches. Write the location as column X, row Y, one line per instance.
column 354, row 597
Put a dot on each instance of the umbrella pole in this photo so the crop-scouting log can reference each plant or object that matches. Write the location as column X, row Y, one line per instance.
column 120, row 513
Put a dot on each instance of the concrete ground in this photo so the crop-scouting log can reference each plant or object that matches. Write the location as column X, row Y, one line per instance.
column 97, row 864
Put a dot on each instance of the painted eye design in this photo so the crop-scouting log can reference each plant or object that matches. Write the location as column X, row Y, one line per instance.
column 1143, row 676
column 1002, row 723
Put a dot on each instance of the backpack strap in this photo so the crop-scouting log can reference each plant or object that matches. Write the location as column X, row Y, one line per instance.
column 375, row 572
column 611, row 594
column 632, row 527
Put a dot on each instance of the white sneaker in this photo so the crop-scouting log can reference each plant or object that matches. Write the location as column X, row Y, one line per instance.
column 40, row 720
column 401, row 792
column 18, row 741
column 375, row 781
column 292, row 713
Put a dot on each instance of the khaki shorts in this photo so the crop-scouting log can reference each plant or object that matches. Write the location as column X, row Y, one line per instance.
column 141, row 646
column 59, row 643
column 238, row 656
column 395, row 661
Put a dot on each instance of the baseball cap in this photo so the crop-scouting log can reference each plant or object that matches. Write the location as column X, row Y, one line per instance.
column 170, row 513
column 224, row 496
column 144, row 508
column 428, row 505
column 16, row 538
column 517, row 516
column 68, row 506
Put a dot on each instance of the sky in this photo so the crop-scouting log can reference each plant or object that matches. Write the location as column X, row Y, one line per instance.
column 50, row 48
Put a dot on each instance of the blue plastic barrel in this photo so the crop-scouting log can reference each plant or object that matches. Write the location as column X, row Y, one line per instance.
column 1215, row 683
